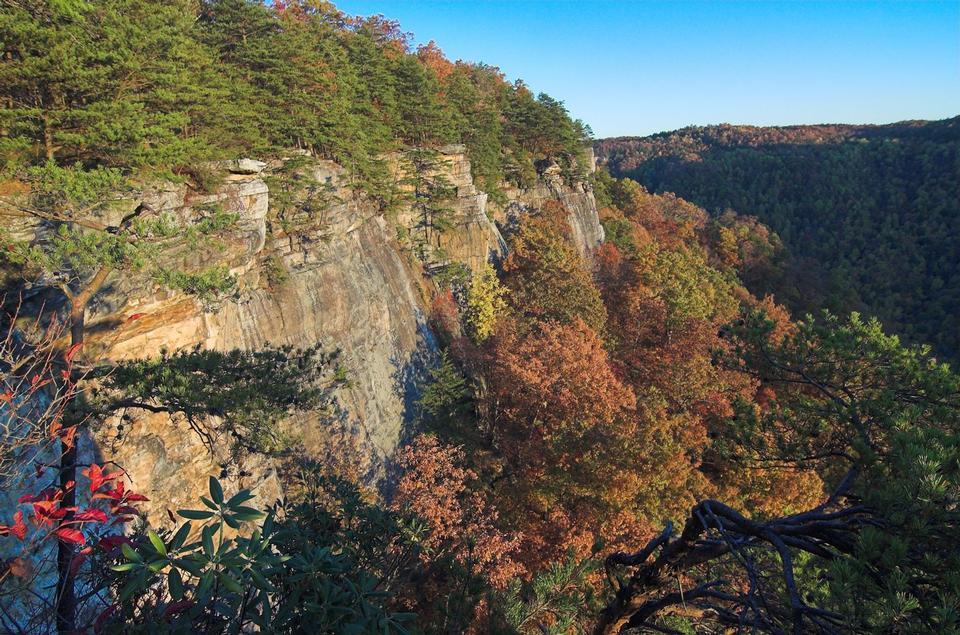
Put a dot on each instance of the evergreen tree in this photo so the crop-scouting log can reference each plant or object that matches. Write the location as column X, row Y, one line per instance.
column 108, row 82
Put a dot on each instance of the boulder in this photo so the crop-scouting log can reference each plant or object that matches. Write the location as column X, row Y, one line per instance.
column 246, row 166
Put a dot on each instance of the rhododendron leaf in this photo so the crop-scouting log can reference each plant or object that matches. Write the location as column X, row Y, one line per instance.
column 180, row 537
column 261, row 582
column 91, row 515
column 175, row 584
column 216, row 491
column 177, row 607
column 207, row 539
column 195, row 514
column 129, row 553
column 229, row 583
column 239, row 498
column 189, row 565
column 157, row 542
column 72, row 351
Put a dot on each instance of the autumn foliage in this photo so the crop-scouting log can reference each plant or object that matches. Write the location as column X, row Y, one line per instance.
column 463, row 525
column 614, row 429
column 41, row 520
column 546, row 277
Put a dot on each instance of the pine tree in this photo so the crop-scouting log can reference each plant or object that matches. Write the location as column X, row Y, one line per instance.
column 112, row 82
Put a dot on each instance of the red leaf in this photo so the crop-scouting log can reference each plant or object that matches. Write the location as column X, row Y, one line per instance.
column 20, row 568
column 73, row 351
column 19, row 528
column 176, row 607
column 95, row 474
column 98, row 478
column 124, row 510
column 116, row 494
column 135, row 316
column 48, row 511
column 6, row 396
column 109, row 543
column 68, row 435
column 66, row 534
column 91, row 515
column 76, row 561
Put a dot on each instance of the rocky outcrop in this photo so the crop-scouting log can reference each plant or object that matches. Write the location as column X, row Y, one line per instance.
column 578, row 200
column 345, row 285
column 473, row 237
column 346, row 281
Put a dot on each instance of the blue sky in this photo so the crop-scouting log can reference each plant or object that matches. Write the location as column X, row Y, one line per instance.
column 630, row 68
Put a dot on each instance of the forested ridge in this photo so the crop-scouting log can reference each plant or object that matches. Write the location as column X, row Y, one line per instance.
column 625, row 440
column 868, row 214
column 152, row 87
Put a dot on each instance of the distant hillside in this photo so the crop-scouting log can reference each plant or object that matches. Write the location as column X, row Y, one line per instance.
column 870, row 214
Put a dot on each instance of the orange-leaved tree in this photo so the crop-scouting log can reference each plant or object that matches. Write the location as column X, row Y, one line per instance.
column 562, row 422
column 464, row 551
column 546, row 277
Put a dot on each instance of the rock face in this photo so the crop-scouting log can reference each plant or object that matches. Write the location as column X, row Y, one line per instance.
column 347, row 283
column 578, row 200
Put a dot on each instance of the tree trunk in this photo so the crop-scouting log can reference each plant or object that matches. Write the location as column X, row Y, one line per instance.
column 48, row 138
column 66, row 589
column 66, row 599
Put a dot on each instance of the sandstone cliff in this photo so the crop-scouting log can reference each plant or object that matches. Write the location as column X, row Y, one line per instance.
column 347, row 282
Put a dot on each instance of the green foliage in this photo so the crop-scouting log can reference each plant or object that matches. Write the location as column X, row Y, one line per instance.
column 914, row 490
column 306, row 567
column 602, row 183
column 867, row 401
column 868, row 386
column 546, row 277
column 445, row 397
column 477, row 94
column 164, row 86
column 542, row 127
column 248, row 390
column 75, row 254
column 619, row 232
column 72, row 190
column 424, row 119
column 298, row 201
column 76, row 247
column 113, row 82
column 451, row 275
column 275, row 272
column 690, row 289
column 207, row 285
column 431, row 201
column 868, row 214
column 558, row 601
